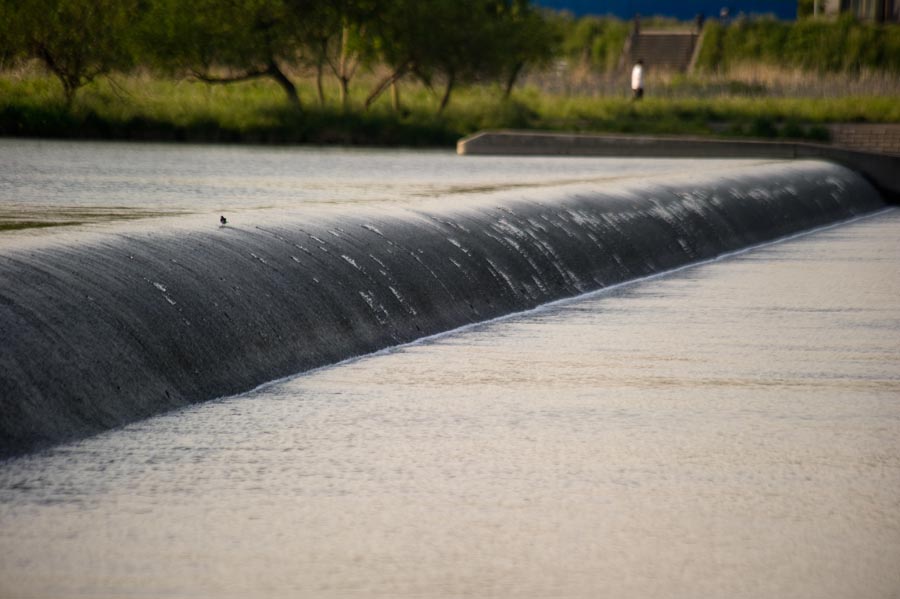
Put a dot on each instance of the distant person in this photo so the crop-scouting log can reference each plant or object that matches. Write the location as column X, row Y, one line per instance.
column 698, row 21
column 637, row 80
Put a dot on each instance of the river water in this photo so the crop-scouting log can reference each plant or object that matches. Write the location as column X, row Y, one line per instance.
column 731, row 429
column 82, row 182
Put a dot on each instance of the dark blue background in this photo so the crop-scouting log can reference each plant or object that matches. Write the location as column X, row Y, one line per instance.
column 682, row 9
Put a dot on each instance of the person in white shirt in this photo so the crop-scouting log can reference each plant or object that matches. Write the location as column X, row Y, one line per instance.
column 637, row 80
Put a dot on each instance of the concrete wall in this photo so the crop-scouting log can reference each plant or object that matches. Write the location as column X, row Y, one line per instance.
column 883, row 138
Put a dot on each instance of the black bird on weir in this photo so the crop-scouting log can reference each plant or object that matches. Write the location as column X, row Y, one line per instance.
column 223, row 220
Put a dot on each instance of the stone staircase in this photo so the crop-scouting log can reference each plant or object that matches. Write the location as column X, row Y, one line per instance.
column 670, row 51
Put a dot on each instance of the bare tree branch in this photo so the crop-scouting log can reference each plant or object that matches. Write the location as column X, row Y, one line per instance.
column 385, row 83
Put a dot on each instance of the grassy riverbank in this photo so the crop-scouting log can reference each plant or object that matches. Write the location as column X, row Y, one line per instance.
column 151, row 108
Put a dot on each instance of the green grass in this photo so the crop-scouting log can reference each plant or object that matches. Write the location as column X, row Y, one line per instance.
column 152, row 108
column 163, row 109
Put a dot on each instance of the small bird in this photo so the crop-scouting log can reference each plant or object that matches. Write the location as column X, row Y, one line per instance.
column 223, row 220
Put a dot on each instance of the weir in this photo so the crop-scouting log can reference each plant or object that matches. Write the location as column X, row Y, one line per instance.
column 105, row 328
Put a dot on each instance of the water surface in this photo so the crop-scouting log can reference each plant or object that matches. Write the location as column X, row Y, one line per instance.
column 729, row 430
column 67, row 183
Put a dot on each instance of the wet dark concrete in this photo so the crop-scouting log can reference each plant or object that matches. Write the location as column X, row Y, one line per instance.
column 102, row 330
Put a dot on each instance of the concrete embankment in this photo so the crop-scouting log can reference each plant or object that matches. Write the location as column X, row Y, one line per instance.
column 882, row 170
column 111, row 325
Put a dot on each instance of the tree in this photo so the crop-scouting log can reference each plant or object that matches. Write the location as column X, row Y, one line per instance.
column 229, row 41
column 525, row 38
column 402, row 38
column 339, row 36
column 77, row 40
column 460, row 42
column 476, row 40
column 11, row 42
column 462, row 46
column 593, row 42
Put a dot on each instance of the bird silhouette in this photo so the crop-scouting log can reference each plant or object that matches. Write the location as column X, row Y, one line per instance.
column 223, row 220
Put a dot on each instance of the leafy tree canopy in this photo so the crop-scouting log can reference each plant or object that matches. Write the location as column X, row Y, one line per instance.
column 77, row 40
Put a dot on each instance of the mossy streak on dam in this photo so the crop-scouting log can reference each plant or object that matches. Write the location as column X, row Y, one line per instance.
column 114, row 324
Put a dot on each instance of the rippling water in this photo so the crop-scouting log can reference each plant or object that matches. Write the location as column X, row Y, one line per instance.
column 728, row 430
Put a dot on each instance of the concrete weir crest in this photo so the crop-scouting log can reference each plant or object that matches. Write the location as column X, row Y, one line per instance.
column 105, row 328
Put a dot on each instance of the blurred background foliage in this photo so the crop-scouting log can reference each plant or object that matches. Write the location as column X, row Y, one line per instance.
column 418, row 71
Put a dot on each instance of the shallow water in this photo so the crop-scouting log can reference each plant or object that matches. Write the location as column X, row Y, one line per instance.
column 728, row 430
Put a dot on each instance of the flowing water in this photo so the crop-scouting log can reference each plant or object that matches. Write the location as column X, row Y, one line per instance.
column 731, row 429
column 84, row 182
